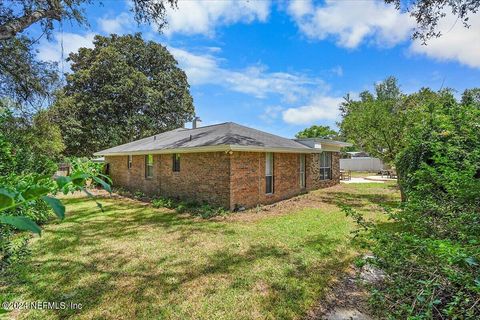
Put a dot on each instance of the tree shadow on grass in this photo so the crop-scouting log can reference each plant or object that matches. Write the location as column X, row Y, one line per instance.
column 89, row 283
column 359, row 200
column 73, row 263
column 304, row 280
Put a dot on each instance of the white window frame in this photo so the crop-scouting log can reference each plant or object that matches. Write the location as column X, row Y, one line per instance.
column 302, row 171
column 324, row 165
column 269, row 172
column 148, row 166
column 129, row 161
column 176, row 162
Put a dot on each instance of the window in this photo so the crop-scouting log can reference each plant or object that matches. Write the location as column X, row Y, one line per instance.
column 149, row 166
column 269, row 172
column 176, row 162
column 325, row 166
column 302, row 171
column 129, row 162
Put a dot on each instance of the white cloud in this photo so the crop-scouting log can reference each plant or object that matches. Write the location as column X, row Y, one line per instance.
column 52, row 51
column 456, row 43
column 202, row 17
column 319, row 108
column 352, row 22
column 271, row 113
column 254, row 80
column 118, row 24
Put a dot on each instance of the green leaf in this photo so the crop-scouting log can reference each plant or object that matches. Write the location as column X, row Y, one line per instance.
column 56, row 205
column 105, row 185
column 21, row 223
column 78, row 179
column 79, row 175
column 62, row 181
column 107, row 178
column 34, row 192
column 6, row 199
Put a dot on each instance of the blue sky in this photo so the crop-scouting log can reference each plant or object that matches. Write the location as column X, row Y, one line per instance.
column 285, row 65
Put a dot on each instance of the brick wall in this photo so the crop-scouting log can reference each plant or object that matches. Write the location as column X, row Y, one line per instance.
column 203, row 177
column 134, row 178
column 248, row 183
column 313, row 171
column 222, row 179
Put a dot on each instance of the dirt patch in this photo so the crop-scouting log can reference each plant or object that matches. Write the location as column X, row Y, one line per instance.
column 311, row 200
column 346, row 299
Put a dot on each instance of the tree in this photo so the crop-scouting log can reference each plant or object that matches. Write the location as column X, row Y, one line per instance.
column 35, row 145
column 122, row 90
column 471, row 97
column 29, row 82
column 428, row 14
column 24, row 80
column 376, row 122
column 16, row 16
column 315, row 131
column 431, row 257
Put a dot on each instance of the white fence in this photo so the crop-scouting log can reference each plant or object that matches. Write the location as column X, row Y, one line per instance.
column 362, row 164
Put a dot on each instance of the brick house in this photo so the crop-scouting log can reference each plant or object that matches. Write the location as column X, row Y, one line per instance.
column 226, row 164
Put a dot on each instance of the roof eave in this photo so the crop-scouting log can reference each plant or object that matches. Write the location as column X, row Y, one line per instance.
column 216, row 148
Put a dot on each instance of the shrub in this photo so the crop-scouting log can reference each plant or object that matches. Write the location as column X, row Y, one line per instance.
column 163, row 203
column 181, row 208
column 139, row 194
column 206, row 211
column 432, row 257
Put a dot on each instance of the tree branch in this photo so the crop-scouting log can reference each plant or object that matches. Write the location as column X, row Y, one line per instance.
column 11, row 28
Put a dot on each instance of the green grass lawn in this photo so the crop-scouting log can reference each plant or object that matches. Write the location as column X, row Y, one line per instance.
column 136, row 262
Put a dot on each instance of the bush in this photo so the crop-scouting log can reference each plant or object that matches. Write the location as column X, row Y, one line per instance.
column 206, row 211
column 163, row 203
column 181, row 208
column 432, row 257
column 13, row 247
column 139, row 194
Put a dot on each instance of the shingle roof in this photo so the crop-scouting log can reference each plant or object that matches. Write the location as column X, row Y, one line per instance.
column 223, row 136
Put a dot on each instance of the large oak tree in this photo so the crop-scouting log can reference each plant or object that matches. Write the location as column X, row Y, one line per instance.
column 28, row 82
column 121, row 90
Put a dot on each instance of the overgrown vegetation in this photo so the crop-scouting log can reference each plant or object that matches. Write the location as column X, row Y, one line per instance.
column 27, row 189
column 432, row 255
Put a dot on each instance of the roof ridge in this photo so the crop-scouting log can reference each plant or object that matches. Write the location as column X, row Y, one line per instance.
column 268, row 133
column 210, row 125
